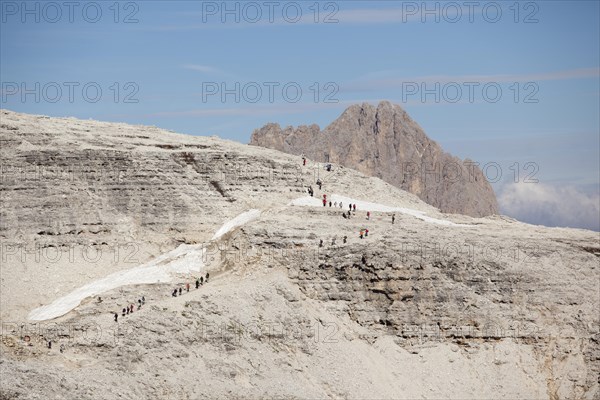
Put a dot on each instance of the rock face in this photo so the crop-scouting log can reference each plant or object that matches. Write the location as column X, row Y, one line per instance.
column 385, row 142
column 447, row 306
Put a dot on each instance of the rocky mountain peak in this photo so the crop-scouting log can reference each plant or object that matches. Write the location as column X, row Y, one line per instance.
column 385, row 142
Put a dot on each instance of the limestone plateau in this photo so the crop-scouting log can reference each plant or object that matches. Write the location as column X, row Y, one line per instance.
column 385, row 142
column 433, row 306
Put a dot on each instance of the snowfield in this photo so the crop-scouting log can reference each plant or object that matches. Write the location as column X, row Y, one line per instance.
column 368, row 206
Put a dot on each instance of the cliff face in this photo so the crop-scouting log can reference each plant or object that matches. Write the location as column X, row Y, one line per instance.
column 385, row 142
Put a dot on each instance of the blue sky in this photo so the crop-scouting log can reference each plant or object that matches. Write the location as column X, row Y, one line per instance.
column 175, row 58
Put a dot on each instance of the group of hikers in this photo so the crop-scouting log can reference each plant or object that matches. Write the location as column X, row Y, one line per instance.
column 199, row 281
column 129, row 309
column 364, row 232
column 178, row 290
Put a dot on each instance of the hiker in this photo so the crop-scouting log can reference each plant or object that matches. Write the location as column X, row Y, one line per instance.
column 321, row 243
column 116, row 317
column 123, row 314
column 393, row 218
column 335, row 204
column 131, row 306
column 99, row 299
column 62, row 348
column 206, row 277
column 187, row 287
column 340, row 204
column 174, row 294
column 333, row 241
column 364, row 259
column 201, row 280
column 180, row 291
column 368, row 215
column 345, row 238
column 350, row 206
column 319, row 183
column 361, row 233
column 329, row 203
column 197, row 283
column 139, row 304
column 49, row 344
column 344, row 215
column 354, row 207
column 366, row 232
column 127, row 308
column 324, row 202
column 143, row 300
column 304, row 161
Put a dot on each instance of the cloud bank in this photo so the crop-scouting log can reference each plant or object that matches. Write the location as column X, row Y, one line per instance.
column 549, row 205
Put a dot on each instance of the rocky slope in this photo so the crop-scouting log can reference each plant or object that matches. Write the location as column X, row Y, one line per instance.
column 468, row 308
column 385, row 142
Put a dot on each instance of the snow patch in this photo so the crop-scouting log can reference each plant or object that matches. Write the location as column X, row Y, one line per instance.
column 368, row 206
column 241, row 219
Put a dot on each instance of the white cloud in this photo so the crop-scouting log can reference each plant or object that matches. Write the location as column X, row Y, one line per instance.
column 202, row 68
column 549, row 205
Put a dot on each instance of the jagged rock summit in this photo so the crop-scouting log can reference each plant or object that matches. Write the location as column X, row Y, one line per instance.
column 385, row 142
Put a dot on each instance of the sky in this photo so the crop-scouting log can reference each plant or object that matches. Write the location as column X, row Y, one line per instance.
column 514, row 86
